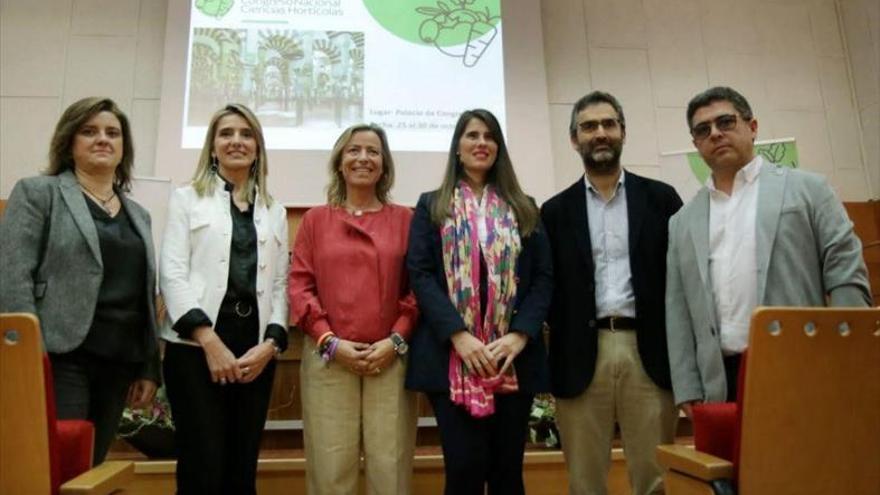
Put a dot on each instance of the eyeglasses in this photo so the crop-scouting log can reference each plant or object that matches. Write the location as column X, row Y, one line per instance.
column 593, row 125
column 723, row 123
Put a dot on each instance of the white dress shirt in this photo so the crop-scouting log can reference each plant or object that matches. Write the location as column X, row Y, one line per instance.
column 609, row 238
column 732, row 255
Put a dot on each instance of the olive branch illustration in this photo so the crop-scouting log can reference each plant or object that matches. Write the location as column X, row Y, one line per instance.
column 775, row 153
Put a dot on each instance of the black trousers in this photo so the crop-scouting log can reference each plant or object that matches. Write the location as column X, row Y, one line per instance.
column 481, row 451
column 731, row 372
column 93, row 388
column 217, row 427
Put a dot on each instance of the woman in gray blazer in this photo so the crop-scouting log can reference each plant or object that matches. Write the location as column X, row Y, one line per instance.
column 79, row 254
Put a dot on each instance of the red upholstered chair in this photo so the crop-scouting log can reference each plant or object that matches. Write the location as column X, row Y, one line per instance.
column 71, row 441
column 716, row 425
column 807, row 420
column 39, row 454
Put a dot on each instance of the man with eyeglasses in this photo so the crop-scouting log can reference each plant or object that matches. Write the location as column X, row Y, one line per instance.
column 608, row 357
column 756, row 234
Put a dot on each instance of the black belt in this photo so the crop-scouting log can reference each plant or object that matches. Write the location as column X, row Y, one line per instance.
column 242, row 308
column 615, row 323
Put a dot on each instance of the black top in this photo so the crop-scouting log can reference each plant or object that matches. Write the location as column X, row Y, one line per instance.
column 119, row 325
column 242, row 282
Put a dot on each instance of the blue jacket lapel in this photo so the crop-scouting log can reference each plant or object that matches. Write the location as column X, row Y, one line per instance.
column 576, row 204
column 635, row 210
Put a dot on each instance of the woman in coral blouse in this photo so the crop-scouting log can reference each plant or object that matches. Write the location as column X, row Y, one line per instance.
column 350, row 295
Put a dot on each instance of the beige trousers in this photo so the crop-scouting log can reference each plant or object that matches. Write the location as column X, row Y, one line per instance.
column 345, row 415
column 621, row 392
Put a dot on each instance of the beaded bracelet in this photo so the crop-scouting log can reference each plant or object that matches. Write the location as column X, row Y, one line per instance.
column 330, row 351
column 323, row 338
column 324, row 343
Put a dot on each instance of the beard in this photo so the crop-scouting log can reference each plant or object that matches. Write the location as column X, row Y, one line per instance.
column 603, row 161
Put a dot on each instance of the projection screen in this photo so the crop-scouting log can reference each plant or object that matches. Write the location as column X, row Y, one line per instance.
column 311, row 68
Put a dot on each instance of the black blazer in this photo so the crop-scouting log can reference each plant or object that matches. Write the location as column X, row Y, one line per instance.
column 428, row 365
column 572, row 318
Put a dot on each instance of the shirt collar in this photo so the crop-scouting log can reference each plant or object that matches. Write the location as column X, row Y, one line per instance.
column 229, row 186
column 620, row 184
column 746, row 175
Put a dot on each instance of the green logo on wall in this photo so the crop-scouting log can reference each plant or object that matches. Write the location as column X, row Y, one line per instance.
column 214, row 8
column 457, row 28
column 784, row 154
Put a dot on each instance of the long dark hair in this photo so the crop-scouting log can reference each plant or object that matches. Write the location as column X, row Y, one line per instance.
column 501, row 175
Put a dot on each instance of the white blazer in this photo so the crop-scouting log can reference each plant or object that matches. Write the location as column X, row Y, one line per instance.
column 194, row 262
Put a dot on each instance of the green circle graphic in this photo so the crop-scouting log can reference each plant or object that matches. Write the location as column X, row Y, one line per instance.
column 436, row 22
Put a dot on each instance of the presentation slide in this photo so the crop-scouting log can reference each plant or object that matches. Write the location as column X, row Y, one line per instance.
column 310, row 68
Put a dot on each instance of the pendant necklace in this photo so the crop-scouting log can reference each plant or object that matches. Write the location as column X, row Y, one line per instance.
column 104, row 202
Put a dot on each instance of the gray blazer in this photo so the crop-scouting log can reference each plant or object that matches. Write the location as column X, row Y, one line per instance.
column 49, row 215
column 806, row 249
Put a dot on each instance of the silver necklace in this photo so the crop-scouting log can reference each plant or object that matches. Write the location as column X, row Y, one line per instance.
column 104, row 202
column 360, row 211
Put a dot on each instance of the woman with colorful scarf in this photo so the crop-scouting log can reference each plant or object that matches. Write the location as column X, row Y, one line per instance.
column 480, row 266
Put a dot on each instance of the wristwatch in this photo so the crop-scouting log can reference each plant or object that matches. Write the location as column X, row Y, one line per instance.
column 400, row 345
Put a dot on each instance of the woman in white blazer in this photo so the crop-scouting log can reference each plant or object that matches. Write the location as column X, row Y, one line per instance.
column 223, row 276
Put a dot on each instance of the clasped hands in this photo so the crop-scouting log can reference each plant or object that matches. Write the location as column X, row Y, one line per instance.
column 224, row 366
column 365, row 359
column 492, row 359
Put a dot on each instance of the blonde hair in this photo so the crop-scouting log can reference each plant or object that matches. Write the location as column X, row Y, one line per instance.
column 205, row 178
column 336, row 188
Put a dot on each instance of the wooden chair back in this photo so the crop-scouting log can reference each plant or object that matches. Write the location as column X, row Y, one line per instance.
column 24, row 441
column 811, row 406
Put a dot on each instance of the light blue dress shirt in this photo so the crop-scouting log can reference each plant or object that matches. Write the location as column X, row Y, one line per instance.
column 609, row 237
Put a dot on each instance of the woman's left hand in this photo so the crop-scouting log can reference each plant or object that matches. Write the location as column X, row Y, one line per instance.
column 254, row 361
column 507, row 348
column 381, row 355
column 141, row 393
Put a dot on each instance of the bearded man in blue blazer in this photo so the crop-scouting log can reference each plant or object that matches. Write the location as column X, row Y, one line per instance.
column 758, row 234
column 608, row 358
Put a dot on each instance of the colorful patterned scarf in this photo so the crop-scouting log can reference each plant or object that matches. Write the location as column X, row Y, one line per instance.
column 461, row 264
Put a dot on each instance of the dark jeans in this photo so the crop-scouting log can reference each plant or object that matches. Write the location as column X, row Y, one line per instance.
column 93, row 388
column 477, row 452
column 217, row 427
